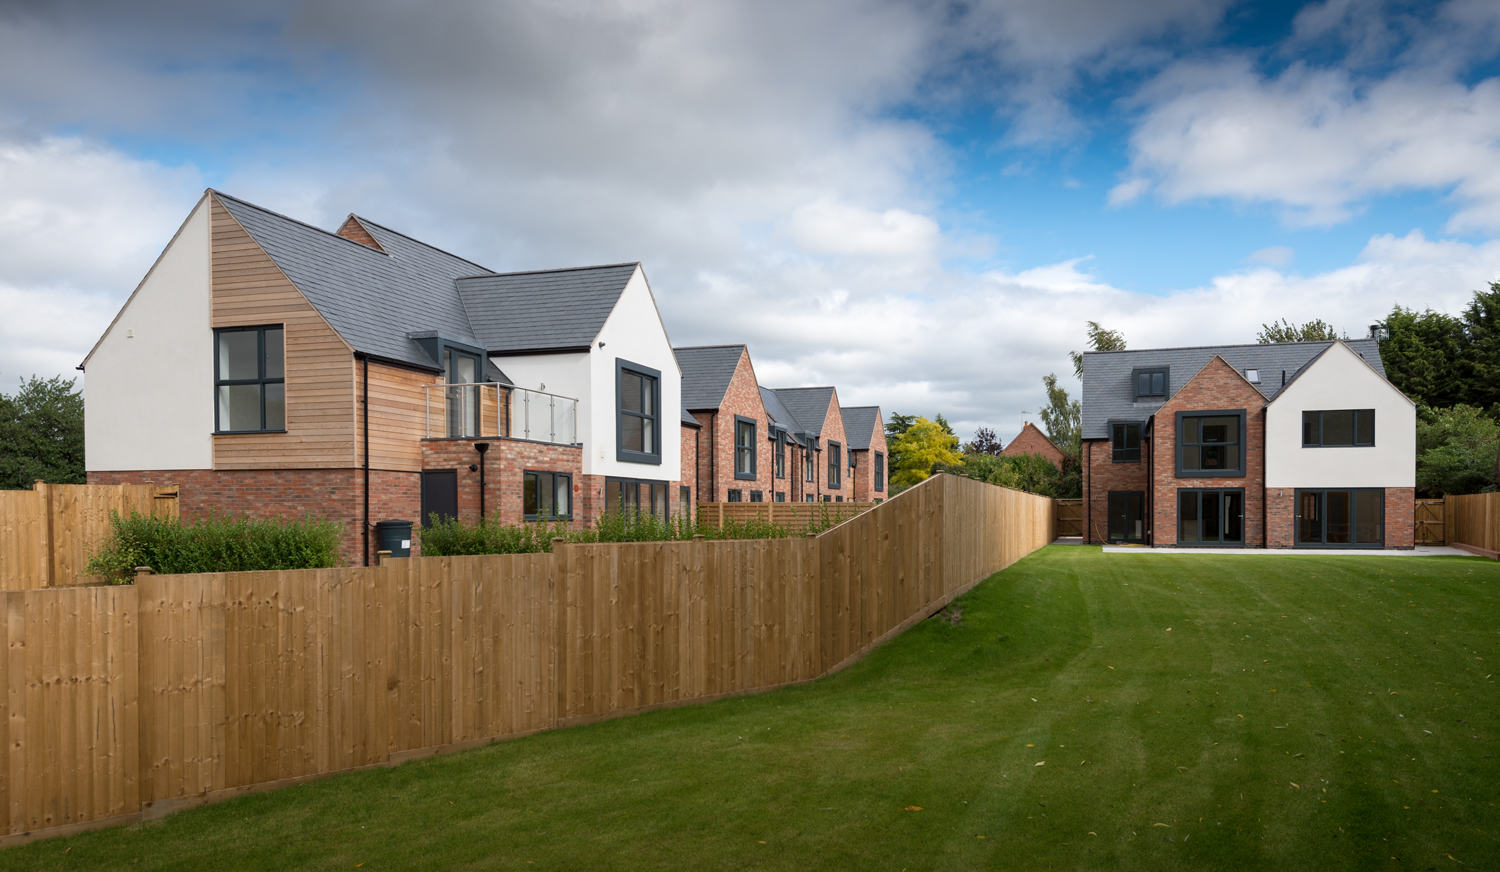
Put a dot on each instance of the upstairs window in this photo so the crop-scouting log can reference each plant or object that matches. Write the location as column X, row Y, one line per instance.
column 547, row 496
column 780, row 456
column 638, row 436
column 879, row 471
column 1210, row 443
column 808, row 467
column 744, row 448
column 1344, row 427
column 250, row 380
column 835, row 464
column 1150, row 384
column 1127, row 442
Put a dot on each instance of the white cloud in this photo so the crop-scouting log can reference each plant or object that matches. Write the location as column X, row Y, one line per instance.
column 826, row 227
column 1275, row 255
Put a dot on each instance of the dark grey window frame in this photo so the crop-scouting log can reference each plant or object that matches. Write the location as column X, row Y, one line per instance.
column 639, row 483
column 757, row 496
column 1353, row 518
column 262, row 380
column 753, row 448
column 1109, row 503
column 1166, row 382
column 779, row 456
column 1244, row 443
column 1115, row 453
column 734, row 495
column 1321, row 429
column 835, row 466
column 622, row 454
column 1177, row 517
column 540, row 472
column 685, row 500
column 809, row 464
column 879, row 472
column 448, row 351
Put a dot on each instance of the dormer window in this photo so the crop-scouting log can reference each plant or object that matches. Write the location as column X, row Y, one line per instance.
column 1150, row 384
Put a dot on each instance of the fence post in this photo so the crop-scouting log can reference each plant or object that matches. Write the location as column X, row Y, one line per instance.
column 44, row 501
column 380, row 557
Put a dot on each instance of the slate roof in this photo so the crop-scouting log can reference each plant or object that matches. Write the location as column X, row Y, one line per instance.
column 859, row 425
column 688, row 419
column 706, row 373
column 808, row 405
column 777, row 411
column 544, row 310
column 1107, row 393
column 370, row 299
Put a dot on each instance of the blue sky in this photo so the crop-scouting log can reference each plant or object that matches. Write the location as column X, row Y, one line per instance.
column 920, row 202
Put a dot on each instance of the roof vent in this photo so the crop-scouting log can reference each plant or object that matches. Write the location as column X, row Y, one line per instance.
column 354, row 231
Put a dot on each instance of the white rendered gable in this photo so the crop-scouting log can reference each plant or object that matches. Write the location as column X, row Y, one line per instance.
column 1340, row 379
column 633, row 332
column 149, row 383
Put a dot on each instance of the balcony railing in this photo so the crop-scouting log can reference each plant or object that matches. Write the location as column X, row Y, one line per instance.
column 489, row 410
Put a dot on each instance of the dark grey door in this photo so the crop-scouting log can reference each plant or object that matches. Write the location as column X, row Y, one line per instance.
column 439, row 494
column 1127, row 517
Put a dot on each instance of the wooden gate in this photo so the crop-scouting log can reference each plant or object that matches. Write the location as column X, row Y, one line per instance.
column 1069, row 518
column 1428, row 520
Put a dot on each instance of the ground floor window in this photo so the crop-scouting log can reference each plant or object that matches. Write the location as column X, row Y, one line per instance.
column 736, row 495
column 1346, row 518
column 685, row 502
column 1211, row 517
column 1127, row 516
column 757, row 496
column 624, row 496
column 781, row 496
column 547, row 496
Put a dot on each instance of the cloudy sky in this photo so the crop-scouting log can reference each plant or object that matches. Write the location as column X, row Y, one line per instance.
column 921, row 202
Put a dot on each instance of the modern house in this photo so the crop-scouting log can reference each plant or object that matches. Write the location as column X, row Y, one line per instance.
column 820, row 422
column 1033, row 441
column 867, row 452
column 738, row 449
column 272, row 367
column 1285, row 446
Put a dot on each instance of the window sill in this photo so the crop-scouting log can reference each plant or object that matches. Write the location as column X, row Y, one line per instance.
column 1210, row 473
column 633, row 457
column 245, row 432
column 744, row 476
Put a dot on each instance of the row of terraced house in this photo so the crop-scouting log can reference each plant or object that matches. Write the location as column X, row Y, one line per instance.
column 270, row 367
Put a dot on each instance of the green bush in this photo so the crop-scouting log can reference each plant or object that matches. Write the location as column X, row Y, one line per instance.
column 1024, row 472
column 215, row 544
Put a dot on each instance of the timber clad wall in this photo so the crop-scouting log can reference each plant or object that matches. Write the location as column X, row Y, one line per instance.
column 398, row 416
column 250, row 290
column 134, row 700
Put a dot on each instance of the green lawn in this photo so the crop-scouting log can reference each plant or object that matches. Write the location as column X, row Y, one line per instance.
column 1192, row 712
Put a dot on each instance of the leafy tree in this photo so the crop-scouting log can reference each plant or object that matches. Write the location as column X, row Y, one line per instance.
column 1422, row 355
column 985, row 442
column 1456, row 451
column 1316, row 330
column 943, row 423
column 1100, row 339
column 1481, row 365
column 1062, row 417
column 894, row 429
column 1028, row 472
column 41, row 434
column 922, row 445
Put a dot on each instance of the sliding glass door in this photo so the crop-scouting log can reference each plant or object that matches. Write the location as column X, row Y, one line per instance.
column 1211, row 517
column 1341, row 518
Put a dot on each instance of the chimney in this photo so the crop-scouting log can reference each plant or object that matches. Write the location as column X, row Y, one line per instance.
column 354, row 231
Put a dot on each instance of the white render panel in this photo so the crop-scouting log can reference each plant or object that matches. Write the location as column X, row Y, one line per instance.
column 149, row 383
column 566, row 375
column 1340, row 379
column 633, row 332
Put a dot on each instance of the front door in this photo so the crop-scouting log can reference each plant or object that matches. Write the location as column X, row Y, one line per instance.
column 1127, row 517
column 1211, row 517
column 439, row 494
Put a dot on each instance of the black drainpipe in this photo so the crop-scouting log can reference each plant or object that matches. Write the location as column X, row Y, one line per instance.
column 1088, row 493
column 481, row 447
column 713, row 457
column 365, row 411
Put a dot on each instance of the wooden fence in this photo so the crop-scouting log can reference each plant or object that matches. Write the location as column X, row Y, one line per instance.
column 1069, row 517
column 790, row 515
column 128, row 702
column 1473, row 520
column 48, row 533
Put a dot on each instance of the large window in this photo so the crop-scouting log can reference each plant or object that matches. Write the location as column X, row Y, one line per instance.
column 547, row 496
column 250, row 379
column 744, row 448
column 835, row 465
column 1211, row 517
column 1150, row 384
column 1341, row 427
column 623, row 496
column 1211, row 444
column 639, row 430
column 879, row 471
column 463, row 376
column 1346, row 518
column 1127, row 442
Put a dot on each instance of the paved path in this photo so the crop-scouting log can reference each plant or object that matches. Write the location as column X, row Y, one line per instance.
column 1419, row 551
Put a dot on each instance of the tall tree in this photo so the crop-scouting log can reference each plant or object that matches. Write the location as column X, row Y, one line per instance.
column 1316, row 330
column 985, row 442
column 1100, row 339
column 1481, row 365
column 1455, row 451
column 895, row 428
column 1422, row 355
column 41, row 434
column 1062, row 417
column 943, row 423
column 923, row 444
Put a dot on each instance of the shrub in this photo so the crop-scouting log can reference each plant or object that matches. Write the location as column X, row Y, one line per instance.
column 214, row 544
column 448, row 537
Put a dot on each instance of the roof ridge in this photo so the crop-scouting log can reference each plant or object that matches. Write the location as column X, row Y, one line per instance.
column 808, row 388
column 1235, row 345
column 217, row 193
column 700, row 347
column 859, row 407
column 407, row 236
column 527, row 272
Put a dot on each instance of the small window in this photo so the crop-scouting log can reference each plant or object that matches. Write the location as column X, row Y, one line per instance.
column 1127, row 442
column 757, row 496
column 835, row 464
column 547, row 496
column 827, row 498
column 808, row 465
column 744, row 448
column 638, row 389
column 1340, row 428
column 1252, row 376
column 879, row 471
column 1150, row 384
column 781, row 496
column 250, row 379
column 809, row 498
column 736, row 495
column 838, row 499
column 685, row 502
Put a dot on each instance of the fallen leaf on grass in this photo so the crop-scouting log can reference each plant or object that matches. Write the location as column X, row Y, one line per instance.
column 1295, row 784
column 1093, row 834
column 913, row 808
column 1044, row 763
column 1084, row 763
column 1161, row 825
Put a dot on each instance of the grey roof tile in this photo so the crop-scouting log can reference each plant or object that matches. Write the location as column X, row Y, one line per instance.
column 707, row 371
column 372, row 300
column 777, row 411
column 546, row 310
column 809, row 406
column 1107, row 393
column 859, row 425
column 688, row 419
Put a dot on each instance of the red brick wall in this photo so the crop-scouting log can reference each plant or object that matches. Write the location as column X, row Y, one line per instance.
column 690, row 440
column 716, row 440
column 833, row 431
column 1281, row 517
column 1033, row 441
column 504, row 467
column 864, row 474
column 1400, row 527
column 1217, row 386
column 1102, row 475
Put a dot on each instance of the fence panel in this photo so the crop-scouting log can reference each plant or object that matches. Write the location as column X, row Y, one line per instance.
column 1427, row 516
column 793, row 516
column 1474, row 519
column 47, row 534
column 25, row 547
